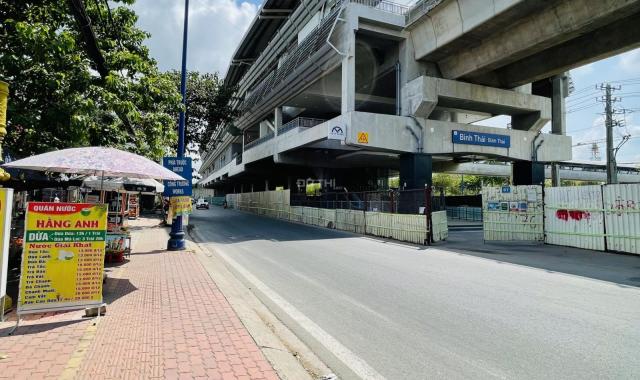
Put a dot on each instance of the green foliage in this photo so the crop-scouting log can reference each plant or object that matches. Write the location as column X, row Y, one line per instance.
column 570, row 182
column 455, row 184
column 57, row 98
column 208, row 107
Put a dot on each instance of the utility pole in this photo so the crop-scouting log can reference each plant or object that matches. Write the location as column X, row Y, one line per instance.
column 612, row 170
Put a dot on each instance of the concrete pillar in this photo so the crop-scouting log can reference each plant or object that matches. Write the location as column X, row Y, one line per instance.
column 555, row 175
column 252, row 187
column 264, row 128
column 415, row 170
column 558, row 116
column 528, row 173
column 348, row 84
column 277, row 117
column 266, row 185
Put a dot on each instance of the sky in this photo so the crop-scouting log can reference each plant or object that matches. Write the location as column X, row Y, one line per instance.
column 217, row 26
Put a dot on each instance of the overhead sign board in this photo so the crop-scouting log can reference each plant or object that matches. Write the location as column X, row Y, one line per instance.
column 63, row 256
column 182, row 167
column 6, row 198
column 482, row 139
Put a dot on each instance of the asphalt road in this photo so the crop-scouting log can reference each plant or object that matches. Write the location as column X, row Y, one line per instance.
column 411, row 312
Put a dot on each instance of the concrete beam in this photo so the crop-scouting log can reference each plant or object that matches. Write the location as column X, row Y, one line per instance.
column 455, row 24
column 605, row 42
column 557, row 23
column 394, row 134
column 421, row 96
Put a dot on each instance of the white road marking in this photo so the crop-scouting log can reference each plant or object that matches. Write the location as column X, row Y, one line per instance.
column 348, row 358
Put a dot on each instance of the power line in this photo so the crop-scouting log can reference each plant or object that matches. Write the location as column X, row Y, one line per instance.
column 581, row 108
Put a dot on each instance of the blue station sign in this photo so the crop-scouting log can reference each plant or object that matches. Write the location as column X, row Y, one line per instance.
column 182, row 167
column 479, row 138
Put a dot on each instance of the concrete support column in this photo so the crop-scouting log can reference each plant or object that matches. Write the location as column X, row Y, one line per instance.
column 528, row 173
column 266, row 185
column 348, row 92
column 415, row 170
column 558, row 116
column 277, row 117
column 555, row 175
column 264, row 128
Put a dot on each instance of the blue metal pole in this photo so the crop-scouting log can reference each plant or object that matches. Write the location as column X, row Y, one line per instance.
column 176, row 240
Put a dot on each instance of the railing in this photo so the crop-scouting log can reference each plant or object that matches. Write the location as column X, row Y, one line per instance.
column 259, row 141
column 421, row 8
column 465, row 213
column 383, row 5
column 299, row 122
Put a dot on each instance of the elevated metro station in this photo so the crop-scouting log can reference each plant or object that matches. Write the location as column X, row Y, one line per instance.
column 351, row 92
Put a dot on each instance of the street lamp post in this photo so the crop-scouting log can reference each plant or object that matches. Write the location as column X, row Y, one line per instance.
column 176, row 240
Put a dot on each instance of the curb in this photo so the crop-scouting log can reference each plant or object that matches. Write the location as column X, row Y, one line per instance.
column 288, row 355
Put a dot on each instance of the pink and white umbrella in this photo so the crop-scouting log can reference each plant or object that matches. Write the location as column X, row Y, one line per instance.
column 104, row 162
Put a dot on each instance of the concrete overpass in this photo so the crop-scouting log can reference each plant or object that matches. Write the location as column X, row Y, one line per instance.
column 354, row 90
column 508, row 43
column 576, row 171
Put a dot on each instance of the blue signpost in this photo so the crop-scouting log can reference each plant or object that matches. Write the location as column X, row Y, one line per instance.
column 176, row 241
column 182, row 167
column 479, row 138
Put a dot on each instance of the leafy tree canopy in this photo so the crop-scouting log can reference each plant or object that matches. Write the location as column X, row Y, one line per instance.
column 57, row 97
column 208, row 107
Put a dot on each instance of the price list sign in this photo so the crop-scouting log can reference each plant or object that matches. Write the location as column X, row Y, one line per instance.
column 63, row 256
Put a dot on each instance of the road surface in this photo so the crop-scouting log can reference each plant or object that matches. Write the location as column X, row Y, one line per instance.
column 407, row 312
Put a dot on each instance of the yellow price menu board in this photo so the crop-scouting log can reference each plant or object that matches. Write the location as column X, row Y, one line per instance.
column 180, row 205
column 63, row 256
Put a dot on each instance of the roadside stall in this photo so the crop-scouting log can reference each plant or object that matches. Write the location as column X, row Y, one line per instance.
column 122, row 197
column 97, row 161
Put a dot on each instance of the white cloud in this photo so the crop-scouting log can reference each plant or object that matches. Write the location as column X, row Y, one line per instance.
column 597, row 133
column 630, row 61
column 583, row 70
column 215, row 29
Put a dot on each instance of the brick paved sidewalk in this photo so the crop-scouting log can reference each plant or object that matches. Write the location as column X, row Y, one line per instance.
column 165, row 318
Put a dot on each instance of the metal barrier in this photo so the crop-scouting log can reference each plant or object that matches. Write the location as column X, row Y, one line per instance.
column 392, row 201
column 299, row 122
column 383, row 5
column 259, row 141
column 465, row 213
column 413, row 227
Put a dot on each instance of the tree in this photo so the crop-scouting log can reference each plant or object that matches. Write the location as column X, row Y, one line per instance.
column 208, row 107
column 58, row 99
